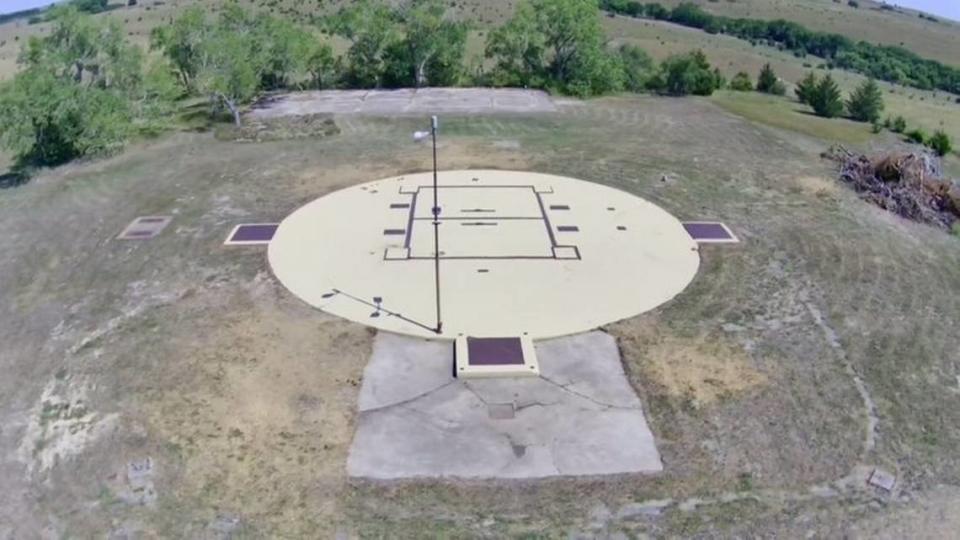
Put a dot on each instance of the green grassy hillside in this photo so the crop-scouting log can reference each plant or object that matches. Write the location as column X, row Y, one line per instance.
column 928, row 110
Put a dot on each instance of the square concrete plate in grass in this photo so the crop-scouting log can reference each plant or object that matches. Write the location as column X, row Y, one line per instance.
column 145, row 227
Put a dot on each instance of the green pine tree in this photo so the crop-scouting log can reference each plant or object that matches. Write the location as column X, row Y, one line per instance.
column 806, row 88
column 826, row 99
column 866, row 102
column 767, row 80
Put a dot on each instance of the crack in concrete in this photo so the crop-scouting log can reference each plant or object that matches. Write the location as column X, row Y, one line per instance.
column 475, row 393
column 408, row 400
column 589, row 398
column 834, row 341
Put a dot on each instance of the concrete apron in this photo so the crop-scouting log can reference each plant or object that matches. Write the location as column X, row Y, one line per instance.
column 580, row 417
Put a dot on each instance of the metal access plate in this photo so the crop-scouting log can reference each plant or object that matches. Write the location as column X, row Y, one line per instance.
column 248, row 234
column 495, row 357
column 710, row 232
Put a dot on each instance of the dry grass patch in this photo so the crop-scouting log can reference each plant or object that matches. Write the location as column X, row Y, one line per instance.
column 700, row 370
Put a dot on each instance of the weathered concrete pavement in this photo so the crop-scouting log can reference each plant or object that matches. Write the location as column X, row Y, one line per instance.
column 581, row 417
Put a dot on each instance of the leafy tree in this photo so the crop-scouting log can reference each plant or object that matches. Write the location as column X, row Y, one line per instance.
column 940, row 143
column 433, row 45
column 637, row 67
column 285, row 47
column 688, row 73
column 49, row 120
column 88, row 50
column 555, row 43
column 81, row 90
column 807, row 88
column 519, row 48
column 866, row 102
column 371, row 29
column 233, row 62
column 741, row 82
column 181, row 42
column 826, row 99
column 321, row 66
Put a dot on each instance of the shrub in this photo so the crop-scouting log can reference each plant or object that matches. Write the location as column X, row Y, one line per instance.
column 685, row 74
column 899, row 124
column 940, row 143
column 637, row 67
column 917, row 136
column 741, row 82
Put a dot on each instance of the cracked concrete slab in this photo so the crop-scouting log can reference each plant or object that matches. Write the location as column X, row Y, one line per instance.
column 406, row 101
column 417, row 420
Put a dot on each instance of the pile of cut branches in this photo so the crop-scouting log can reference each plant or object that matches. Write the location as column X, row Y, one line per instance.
column 909, row 184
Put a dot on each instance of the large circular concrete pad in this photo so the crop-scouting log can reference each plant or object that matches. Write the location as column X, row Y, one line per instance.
column 520, row 253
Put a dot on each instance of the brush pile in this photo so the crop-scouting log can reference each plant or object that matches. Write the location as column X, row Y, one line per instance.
column 910, row 185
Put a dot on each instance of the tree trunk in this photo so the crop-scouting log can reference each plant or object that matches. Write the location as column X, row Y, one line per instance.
column 421, row 75
column 236, row 112
column 232, row 105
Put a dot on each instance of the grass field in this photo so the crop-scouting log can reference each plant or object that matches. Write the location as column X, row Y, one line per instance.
column 927, row 110
column 936, row 40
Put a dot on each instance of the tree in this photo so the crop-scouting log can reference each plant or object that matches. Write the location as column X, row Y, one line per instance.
column 88, row 50
column 181, row 42
column 433, row 45
column 371, row 29
column 637, row 67
column 50, row 120
column 866, row 102
column 741, row 82
column 286, row 48
column 688, row 73
column 767, row 80
column 519, row 47
column 826, row 99
column 807, row 88
column 321, row 66
column 232, row 62
column 555, row 43
column 81, row 91
column 940, row 143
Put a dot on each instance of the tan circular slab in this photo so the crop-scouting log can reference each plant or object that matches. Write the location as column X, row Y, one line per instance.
column 520, row 253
